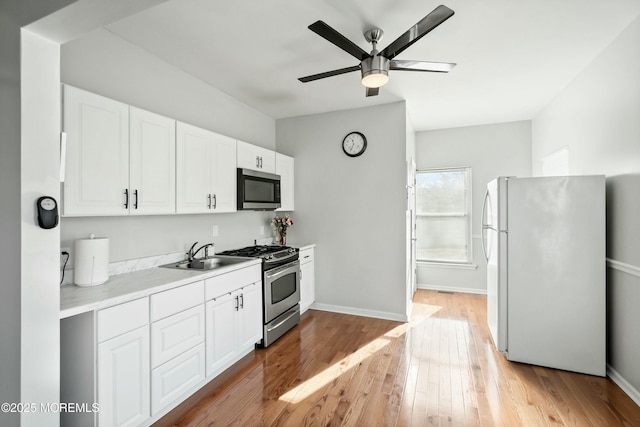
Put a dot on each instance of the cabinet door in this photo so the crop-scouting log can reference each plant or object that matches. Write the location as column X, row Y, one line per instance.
column 221, row 314
column 267, row 160
column 257, row 158
column 284, row 168
column 250, row 316
column 307, row 285
column 223, row 174
column 193, row 171
column 97, row 162
column 152, row 149
column 123, row 379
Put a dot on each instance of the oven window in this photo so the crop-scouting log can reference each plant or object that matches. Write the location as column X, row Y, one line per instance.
column 283, row 288
column 256, row 190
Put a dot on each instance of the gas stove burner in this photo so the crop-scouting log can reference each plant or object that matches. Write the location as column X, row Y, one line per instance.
column 261, row 251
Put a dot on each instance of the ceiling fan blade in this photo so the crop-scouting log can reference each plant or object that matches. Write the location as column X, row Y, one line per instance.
column 373, row 91
column 415, row 33
column 434, row 67
column 328, row 33
column 329, row 74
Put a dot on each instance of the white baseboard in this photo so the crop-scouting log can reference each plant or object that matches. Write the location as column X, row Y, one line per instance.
column 453, row 289
column 631, row 391
column 359, row 312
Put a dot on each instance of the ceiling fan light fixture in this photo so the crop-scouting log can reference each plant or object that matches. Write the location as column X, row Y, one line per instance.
column 375, row 71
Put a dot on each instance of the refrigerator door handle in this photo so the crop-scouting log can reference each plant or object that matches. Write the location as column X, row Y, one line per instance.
column 484, row 226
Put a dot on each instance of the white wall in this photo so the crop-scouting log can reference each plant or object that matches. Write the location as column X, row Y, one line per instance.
column 598, row 117
column 490, row 150
column 40, row 174
column 352, row 208
column 28, row 143
column 141, row 236
column 103, row 63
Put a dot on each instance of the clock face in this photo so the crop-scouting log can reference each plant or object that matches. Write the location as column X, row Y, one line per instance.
column 354, row 144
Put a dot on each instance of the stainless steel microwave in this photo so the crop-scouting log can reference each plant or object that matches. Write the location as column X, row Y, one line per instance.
column 258, row 191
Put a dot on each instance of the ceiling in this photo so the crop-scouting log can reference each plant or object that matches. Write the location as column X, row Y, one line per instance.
column 513, row 56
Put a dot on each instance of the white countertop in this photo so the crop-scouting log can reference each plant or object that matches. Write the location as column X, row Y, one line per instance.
column 129, row 286
column 300, row 246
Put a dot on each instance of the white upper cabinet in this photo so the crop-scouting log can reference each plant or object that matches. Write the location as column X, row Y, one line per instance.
column 97, row 162
column 256, row 158
column 120, row 159
column 285, row 168
column 206, row 173
column 223, row 174
column 152, row 158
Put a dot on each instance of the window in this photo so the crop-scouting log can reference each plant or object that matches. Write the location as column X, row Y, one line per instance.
column 443, row 215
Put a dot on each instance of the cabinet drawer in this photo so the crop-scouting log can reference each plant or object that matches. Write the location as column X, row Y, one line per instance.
column 122, row 318
column 225, row 283
column 306, row 255
column 176, row 377
column 176, row 334
column 174, row 301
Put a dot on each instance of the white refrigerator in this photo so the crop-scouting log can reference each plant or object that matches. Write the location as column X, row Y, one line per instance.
column 544, row 242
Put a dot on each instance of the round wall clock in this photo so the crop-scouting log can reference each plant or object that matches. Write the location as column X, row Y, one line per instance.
column 354, row 144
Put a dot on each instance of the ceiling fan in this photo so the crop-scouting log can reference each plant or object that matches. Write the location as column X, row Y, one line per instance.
column 375, row 66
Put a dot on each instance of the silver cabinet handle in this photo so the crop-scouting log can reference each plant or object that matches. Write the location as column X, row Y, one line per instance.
column 215, row 202
column 208, row 201
column 135, row 195
column 126, row 198
column 237, row 306
column 242, row 301
column 257, row 161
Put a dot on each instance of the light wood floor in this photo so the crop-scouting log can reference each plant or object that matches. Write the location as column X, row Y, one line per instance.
column 439, row 369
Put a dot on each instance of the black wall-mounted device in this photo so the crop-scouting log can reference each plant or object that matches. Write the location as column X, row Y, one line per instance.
column 47, row 212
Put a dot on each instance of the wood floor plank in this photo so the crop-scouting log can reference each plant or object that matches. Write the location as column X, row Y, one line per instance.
column 441, row 368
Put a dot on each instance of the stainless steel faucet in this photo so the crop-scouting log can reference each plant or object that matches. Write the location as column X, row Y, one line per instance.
column 192, row 254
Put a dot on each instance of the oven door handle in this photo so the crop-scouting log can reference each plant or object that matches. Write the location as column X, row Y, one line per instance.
column 292, row 256
column 270, row 274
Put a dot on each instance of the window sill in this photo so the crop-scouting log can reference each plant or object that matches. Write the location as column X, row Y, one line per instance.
column 454, row 265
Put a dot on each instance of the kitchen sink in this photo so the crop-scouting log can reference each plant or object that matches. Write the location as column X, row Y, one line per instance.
column 210, row 263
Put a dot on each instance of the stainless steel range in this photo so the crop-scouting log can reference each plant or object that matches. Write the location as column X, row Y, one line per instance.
column 280, row 288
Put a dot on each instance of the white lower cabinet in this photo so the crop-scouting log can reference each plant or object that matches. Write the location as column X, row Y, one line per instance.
column 250, row 318
column 139, row 359
column 234, row 326
column 176, row 377
column 123, row 368
column 123, row 372
column 221, row 334
column 177, row 343
column 307, row 279
column 176, row 334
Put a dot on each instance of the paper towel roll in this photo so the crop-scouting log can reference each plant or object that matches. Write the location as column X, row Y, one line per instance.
column 91, row 265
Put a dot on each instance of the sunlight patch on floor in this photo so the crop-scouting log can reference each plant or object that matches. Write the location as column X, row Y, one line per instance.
column 307, row 388
column 301, row 392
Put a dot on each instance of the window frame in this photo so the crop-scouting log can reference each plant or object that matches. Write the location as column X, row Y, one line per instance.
column 468, row 214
